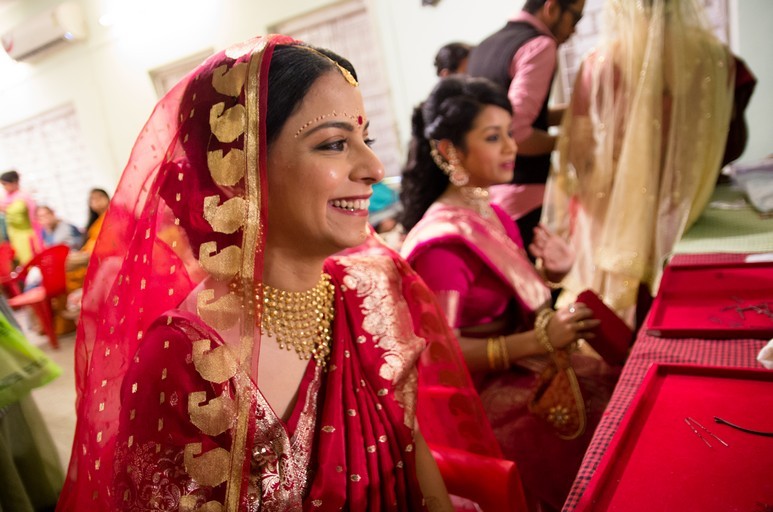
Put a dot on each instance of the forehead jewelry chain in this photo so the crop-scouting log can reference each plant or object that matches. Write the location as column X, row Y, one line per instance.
column 299, row 320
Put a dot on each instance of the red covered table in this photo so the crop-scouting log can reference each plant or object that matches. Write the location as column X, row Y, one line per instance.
column 723, row 226
column 646, row 351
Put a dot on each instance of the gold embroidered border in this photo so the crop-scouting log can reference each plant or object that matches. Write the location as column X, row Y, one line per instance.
column 249, row 246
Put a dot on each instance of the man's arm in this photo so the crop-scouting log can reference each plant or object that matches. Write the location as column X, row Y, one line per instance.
column 532, row 67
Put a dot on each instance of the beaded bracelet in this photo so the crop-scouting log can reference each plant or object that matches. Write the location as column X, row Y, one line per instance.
column 541, row 328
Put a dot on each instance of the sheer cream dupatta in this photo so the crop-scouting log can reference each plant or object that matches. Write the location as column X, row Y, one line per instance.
column 640, row 146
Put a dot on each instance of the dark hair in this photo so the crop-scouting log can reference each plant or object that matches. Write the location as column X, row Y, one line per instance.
column 93, row 215
column 451, row 56
column 9, row 177
column 448, row 113
column 532, row 6
column 291, row 74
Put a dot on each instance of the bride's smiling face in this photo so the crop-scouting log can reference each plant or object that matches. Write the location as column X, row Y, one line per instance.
column 320, row 172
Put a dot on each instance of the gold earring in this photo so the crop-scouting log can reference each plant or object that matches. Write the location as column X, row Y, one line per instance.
column 456, row 175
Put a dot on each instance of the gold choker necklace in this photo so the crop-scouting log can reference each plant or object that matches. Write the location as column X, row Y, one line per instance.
column 299, row 320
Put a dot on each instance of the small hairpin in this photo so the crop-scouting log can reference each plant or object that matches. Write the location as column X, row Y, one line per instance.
column 709, row 432
column 696, row 432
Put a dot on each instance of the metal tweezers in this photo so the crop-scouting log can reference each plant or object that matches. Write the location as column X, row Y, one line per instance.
column 742, row 429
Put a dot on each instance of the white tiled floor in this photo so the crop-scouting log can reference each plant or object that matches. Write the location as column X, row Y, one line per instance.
column 56, row 400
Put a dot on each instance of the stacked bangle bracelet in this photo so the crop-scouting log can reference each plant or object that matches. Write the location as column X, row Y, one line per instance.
column 498, row 355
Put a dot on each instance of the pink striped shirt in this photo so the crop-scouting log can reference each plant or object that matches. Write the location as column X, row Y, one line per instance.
column 532, row 69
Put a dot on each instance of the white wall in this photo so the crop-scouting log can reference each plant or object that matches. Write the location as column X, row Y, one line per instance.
column 107, row 76
column 754, row 46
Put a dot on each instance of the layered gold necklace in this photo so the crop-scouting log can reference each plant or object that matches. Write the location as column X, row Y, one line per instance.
column 299, row 320
column 477, row 198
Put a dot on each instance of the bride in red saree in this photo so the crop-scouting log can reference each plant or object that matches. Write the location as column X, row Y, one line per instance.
column 224, row 361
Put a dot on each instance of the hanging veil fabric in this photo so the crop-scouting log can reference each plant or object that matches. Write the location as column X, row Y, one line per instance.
column 185, row 221
column 640, row 146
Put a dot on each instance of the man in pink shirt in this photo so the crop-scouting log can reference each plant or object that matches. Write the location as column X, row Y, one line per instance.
column 521, row 57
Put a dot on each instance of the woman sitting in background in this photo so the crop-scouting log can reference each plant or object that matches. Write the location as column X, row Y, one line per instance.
column 55, row 231
column 469, row 253
column 77, row 261
column 99, row 201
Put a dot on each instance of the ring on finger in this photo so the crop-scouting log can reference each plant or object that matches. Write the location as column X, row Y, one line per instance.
column 572, row 309
column 580, row 324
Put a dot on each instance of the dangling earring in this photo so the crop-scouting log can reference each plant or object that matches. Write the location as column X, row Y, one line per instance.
column 456, row 174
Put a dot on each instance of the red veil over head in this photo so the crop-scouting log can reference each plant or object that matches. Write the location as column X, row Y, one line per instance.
column 186, row 220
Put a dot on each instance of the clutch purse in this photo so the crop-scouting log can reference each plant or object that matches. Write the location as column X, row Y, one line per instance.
column 613, row 336
column 557, row 398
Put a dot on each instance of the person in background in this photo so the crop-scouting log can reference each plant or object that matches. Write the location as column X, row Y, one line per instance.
column 78, row 261
column 224, row 360
column 470, row 254
column 640, row 148
column 21, row 226
column 451, row 59
column 31, row 471
column 521, row 57
column 55, row 231
column 99, row 200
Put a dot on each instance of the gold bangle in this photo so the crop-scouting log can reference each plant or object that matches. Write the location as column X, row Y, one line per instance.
column 541, row 328
column 492, row 347
column 539, row 265
column 498, row 355
column 504, row 353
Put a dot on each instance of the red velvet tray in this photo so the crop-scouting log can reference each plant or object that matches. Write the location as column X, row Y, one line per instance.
column 656, row 462
column 704, row 300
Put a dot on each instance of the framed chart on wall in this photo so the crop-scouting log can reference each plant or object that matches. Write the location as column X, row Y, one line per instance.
column 49, row 152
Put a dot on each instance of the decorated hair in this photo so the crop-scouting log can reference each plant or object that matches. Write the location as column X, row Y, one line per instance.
column 448, row 113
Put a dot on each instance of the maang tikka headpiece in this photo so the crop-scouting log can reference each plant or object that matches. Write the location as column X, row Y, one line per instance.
column 456, row 175
column 345, row 72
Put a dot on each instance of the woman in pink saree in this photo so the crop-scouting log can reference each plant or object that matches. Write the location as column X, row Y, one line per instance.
column 470, row 254
column 224, row 361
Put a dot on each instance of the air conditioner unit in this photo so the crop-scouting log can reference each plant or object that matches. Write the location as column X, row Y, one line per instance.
column 61, row 24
